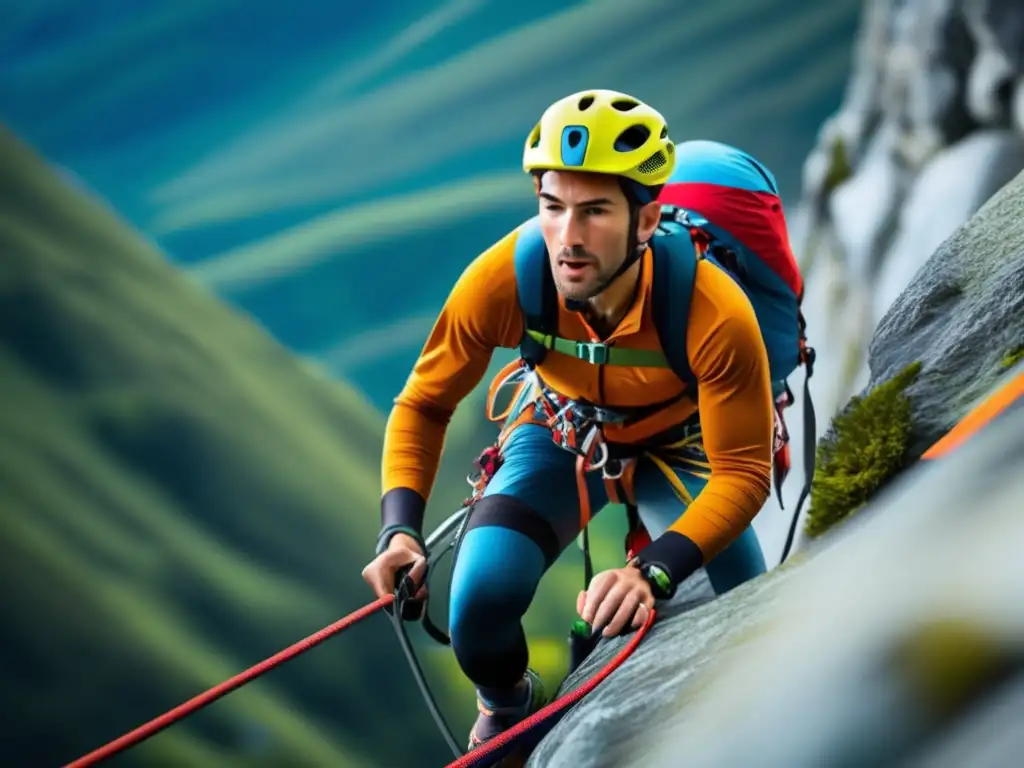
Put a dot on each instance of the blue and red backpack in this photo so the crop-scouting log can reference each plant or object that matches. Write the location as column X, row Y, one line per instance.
column 723, row 206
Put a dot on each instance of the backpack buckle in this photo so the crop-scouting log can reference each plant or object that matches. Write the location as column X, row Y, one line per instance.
column 593, row 352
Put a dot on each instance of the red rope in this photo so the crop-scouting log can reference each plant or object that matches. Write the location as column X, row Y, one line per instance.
column 472, row 758
column 475, row 756
column 158, row 724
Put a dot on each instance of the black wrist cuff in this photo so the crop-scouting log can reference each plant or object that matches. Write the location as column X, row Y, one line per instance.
column 401, row 511
column 404, row 507
column 675, row 553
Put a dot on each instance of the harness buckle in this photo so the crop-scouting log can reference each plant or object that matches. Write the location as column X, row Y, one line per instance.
column 597, row 414
column 593, row 352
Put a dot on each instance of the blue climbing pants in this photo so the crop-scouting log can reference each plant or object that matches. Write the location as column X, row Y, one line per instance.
column 528, row 515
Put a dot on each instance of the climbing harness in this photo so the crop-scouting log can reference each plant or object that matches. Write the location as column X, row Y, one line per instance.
column 807, row 359
column 578, row 427
column 401, row 608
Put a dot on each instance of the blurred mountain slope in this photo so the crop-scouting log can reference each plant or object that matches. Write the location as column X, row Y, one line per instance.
column 181, row 500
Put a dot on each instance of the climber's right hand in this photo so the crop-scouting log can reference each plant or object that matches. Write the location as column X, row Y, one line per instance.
column 402, row 550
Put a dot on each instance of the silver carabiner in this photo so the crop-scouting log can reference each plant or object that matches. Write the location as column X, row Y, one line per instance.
column 602, row 449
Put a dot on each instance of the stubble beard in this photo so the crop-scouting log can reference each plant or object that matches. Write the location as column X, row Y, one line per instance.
column 579, row 291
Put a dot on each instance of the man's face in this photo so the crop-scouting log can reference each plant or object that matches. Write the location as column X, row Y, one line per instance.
column 585, row 221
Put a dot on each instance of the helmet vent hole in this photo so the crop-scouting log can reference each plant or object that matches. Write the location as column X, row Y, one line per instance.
column 624, row 105
column 585, row 103
column 574, row 138
column 632, row 138
column 653, row 163
column 664, row 131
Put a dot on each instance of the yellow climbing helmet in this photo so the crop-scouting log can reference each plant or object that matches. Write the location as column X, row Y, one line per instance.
column 602, row 131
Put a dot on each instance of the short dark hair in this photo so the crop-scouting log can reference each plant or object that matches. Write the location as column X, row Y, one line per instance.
column 637, row 194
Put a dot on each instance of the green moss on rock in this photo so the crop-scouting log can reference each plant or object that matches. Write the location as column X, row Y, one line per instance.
column 1012, row 357
column 840, row 168
column 868, row 447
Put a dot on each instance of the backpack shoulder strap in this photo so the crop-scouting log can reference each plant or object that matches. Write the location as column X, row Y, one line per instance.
column 675, row 270
column 538, row 297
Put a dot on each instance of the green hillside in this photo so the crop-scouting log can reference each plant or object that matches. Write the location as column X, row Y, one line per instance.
column 181, row 499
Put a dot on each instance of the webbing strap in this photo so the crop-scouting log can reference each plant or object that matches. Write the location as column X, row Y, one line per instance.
column 675, row 272
column 810, row 445
column 597, row 353
column 403, row 594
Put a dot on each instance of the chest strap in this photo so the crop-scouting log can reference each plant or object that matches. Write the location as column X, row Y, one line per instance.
column 599, row 353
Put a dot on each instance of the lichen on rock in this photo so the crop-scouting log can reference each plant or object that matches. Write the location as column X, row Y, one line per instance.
column 1011, row 358
column 840, row 166
column 867, row 448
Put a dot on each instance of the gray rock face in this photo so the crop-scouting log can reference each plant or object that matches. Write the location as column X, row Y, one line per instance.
column 930, row 52
column 889, row 639
column 939, row 201
column 996, row 82
column 931, row 127
column 998, row 26
column 624, row 712
column 960, row 316
column 903, row 643
column 931, row 79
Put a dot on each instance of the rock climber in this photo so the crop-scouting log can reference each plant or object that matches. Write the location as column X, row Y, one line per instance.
column 698, row 476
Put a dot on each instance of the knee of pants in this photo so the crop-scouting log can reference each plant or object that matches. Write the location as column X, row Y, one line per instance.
column 497, row 570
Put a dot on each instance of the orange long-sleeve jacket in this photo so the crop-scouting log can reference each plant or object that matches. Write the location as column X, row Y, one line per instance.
column 727, row 356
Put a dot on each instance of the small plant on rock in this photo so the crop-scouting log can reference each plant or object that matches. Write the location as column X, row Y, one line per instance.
column 1011, row 358
column 868, row 448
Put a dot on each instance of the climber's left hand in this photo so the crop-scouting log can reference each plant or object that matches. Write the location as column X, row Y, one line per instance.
column 616, row 597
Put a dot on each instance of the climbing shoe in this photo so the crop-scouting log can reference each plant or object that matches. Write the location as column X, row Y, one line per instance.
column 493, row 720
